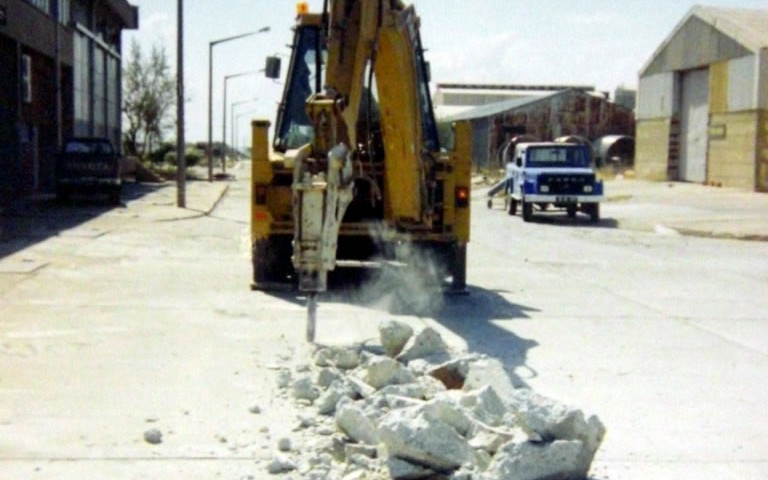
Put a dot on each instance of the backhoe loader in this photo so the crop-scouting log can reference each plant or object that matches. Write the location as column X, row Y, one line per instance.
column 356, row 169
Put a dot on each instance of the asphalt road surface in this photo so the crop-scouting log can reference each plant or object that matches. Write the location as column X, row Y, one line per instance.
column 116, row 321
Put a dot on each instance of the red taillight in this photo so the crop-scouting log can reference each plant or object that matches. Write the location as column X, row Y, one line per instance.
column 462, row 196
column 261, row 216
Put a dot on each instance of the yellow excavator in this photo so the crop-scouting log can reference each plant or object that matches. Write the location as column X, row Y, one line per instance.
column 356, row 169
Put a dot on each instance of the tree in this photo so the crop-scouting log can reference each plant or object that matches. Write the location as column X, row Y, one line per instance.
column 149, row 93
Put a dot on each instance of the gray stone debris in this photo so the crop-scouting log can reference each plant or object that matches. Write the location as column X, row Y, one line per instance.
column 304, row 389
column 394, row 335
column 419, row 411
column 382, row 371
column 281, row 463
column 352, row 420
column 427, row 344
column 424, row 439
column 153, row 436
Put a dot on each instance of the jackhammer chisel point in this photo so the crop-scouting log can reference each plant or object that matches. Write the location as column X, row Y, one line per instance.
column 311, row 316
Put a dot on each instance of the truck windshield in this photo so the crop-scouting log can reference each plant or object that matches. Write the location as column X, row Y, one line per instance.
column 557, row 156
column 293, row 126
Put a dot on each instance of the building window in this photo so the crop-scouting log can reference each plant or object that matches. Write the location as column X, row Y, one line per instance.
column 43, row 5
column 26, row 78
column 99, row 93
column 65, row 7
column 82, row 98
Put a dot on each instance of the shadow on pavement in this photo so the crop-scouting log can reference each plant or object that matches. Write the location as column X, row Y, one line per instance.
column 476, row 317
column 35, row 219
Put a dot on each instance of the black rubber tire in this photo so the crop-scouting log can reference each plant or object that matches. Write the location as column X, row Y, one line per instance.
column 490, row 203
column 458, row 268
column 271, row 261
column 571, row 211
column 512, row 206
column 594, row 212
column 527, row 211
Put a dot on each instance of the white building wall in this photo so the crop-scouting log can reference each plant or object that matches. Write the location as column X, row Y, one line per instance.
column 741, row 82
column 657, row 96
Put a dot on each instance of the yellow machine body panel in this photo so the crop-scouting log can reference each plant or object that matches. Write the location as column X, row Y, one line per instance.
column 356, row 124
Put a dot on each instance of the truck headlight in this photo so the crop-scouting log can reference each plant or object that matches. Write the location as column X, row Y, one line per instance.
column 588, row 189
column 544, row 189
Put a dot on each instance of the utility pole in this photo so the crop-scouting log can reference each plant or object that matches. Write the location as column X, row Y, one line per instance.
column 181, row 161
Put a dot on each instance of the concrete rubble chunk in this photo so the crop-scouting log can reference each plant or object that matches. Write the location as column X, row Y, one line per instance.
column 485, row 405
column 352, row 420
column 454, row 372
column 369, row 451
column 407, row 390
column 431, row 386
column 447, row 409
column 400, row 469
column 424, row 440
column 553, row 420
column 559, row 460
column 328, row 375
column 284, row 444
column 326, row 403
column 427, row 344
column 492, row 441
column 489, row 371
column 304, row 388
column 153, row 436
column 382, row 371
column 339, row 357
column 281, row 463
column 394, row 336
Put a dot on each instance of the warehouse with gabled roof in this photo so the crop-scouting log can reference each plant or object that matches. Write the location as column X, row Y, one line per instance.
column 702, row 111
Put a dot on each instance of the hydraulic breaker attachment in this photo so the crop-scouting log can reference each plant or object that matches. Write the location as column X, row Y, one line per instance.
column 320, row 199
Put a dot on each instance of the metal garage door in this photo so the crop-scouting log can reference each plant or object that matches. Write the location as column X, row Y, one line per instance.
column 694, row 124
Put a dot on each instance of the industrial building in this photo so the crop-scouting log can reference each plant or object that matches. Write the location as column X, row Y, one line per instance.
column 543, row 113
column 60, row 75
column 703, row 101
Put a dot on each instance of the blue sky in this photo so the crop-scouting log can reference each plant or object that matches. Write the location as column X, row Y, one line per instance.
column 603, row 43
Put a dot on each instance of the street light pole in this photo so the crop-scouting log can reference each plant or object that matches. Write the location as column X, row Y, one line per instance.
column 232, row 117
column 236, row 122
column 210, row 90
column 224, row 118
column 181, row 160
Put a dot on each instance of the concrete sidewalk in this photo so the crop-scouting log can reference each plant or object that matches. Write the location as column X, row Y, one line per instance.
column 687, row 208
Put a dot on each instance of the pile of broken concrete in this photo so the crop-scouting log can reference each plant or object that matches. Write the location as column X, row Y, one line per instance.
column 412, row 409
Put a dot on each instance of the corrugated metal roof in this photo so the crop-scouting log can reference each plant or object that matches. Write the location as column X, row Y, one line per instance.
column 746, row 26
column 496, row 108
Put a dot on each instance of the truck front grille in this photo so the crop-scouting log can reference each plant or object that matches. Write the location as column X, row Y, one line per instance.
column 566, row 184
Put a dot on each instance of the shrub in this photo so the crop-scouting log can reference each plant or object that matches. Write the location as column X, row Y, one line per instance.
column 159, row 155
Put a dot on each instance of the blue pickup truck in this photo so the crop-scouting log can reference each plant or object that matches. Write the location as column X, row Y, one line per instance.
column 548, row 174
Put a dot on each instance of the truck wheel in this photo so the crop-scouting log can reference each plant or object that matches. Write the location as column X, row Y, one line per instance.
column 490, row 203
column 271, row 262
column 512, row 206
column 571, row 211
column 594, row 212
column 527, row 211
column 459, row 269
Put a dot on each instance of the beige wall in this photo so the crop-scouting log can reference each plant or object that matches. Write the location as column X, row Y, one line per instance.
column 731, row 159
column 652, row 149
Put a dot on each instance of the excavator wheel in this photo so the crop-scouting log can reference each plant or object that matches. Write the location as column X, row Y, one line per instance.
column 272, row 263
column 458, row 269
